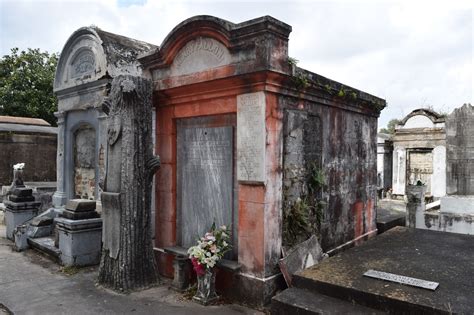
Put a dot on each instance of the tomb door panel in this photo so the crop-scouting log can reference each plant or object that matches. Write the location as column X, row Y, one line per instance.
column 205, row 180
column 420, row 168
column 84, row 162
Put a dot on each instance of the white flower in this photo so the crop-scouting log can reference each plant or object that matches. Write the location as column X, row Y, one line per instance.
column 19, row 166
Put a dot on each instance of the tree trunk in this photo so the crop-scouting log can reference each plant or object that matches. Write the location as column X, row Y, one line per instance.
column 127, row 261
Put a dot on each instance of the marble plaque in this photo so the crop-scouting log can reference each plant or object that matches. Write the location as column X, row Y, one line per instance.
column 430, row 285
column 251, row 136
column 205, row 181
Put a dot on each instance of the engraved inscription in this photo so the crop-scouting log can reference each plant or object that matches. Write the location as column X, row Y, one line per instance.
column 251, row 137
column 205, row 168
column 430, row 285
column 200, row 54
column 200, row 44
column 83, row 64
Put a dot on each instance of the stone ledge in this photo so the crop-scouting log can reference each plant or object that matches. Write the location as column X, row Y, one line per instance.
column 230, row 265
column 78, row 225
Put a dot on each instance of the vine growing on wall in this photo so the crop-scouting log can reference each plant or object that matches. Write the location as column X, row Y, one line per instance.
column 302, row 217
column 299, row 78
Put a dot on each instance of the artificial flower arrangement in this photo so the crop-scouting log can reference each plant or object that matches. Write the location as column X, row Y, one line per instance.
column 209, row 249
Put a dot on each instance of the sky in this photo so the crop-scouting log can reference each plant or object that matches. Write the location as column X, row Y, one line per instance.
column 411, row 53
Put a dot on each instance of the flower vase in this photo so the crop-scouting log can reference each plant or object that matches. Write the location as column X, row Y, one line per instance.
column 206, row 289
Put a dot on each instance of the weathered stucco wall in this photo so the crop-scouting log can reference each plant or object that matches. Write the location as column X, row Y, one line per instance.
column 37, row 150
column 460, row 151
column 348, row 156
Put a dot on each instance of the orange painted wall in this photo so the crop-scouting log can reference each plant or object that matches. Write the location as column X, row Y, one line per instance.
column 259, row 206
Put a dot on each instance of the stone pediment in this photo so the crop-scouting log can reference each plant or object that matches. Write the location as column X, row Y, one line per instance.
column 91, row 54
column 82, row 60
column 206, row 44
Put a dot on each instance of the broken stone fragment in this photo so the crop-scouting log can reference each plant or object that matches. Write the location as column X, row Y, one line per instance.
column 41, row 221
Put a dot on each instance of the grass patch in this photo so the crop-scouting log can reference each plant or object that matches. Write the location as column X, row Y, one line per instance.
column 70, row 270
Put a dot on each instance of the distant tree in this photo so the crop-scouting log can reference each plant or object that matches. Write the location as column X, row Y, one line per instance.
column 442, row 112
column 390, row 126
column 26, row 84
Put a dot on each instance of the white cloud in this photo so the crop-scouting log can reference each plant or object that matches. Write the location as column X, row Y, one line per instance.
column 411, row 53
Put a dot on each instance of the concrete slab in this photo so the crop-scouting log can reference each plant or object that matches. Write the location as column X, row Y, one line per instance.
column 32, row 284
column 390, row 213
column 428, row 255
column 387, row 219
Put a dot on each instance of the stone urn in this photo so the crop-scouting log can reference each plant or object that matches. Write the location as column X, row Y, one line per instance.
column 206, row 287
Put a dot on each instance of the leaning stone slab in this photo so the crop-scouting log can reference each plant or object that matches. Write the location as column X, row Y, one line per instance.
column 41, row 221
column 80, row 205
column 302, row 256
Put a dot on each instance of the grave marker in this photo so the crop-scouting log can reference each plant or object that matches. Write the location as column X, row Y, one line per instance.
column 414, row 282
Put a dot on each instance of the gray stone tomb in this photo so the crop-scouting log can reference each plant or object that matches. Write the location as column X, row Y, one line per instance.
column 79, row 233
column 19, row 211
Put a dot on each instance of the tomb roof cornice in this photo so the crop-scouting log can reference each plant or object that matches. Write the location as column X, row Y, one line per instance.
column 232, row 36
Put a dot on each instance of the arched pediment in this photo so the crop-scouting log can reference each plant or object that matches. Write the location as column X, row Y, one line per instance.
column 91, row 54
column 203, row 43
column 421, row 118
column 82, row 60
column 210, row 28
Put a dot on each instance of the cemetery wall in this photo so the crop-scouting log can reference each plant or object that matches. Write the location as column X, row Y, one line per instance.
column 33, row 145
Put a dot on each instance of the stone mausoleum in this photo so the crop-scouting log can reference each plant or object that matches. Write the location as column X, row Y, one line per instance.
column 239, row 127
column 245, row 137
column 419, row 153
column 89, row 61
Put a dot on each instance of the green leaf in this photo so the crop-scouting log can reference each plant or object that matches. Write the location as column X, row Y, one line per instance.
column 26, row 84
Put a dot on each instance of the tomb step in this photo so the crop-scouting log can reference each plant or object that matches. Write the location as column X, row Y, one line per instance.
column 45, row 245
column 304, row 302
column 445, row 258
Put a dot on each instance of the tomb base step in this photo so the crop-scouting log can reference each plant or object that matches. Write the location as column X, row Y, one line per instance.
column 45, row 245
column 305, row 302
column 415, row 253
